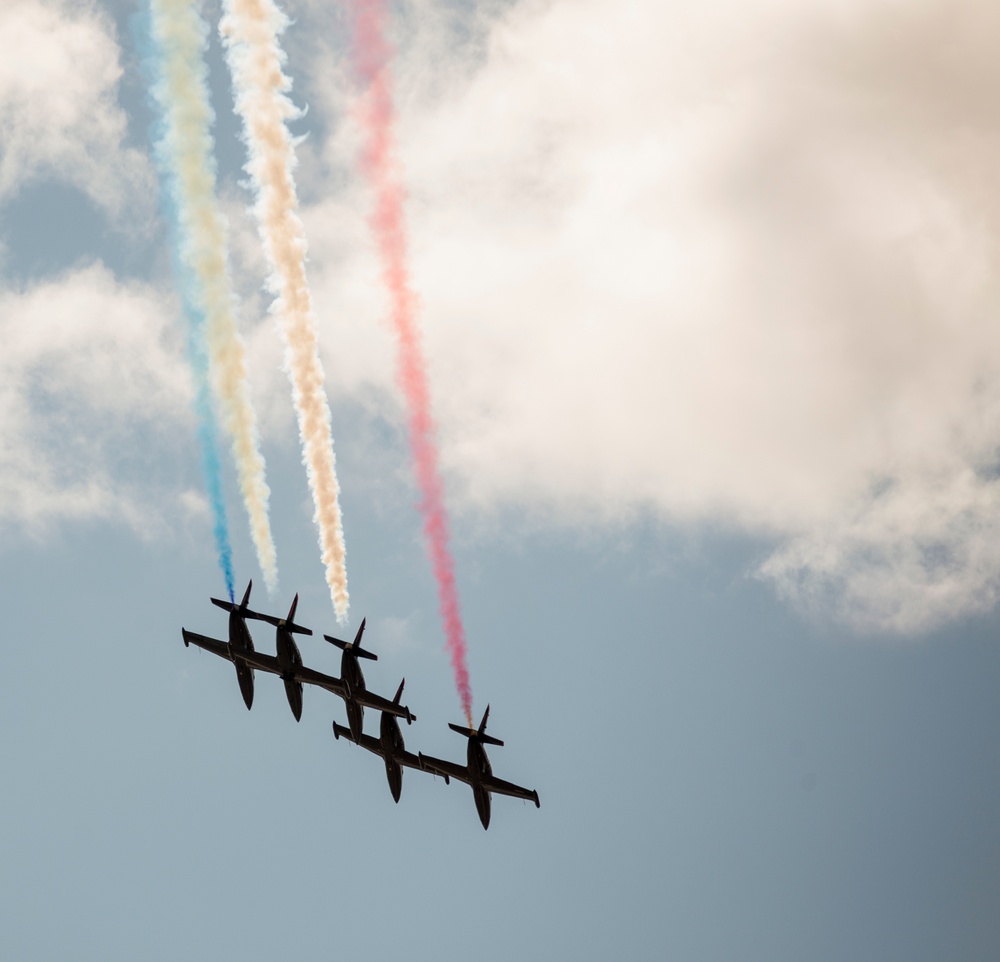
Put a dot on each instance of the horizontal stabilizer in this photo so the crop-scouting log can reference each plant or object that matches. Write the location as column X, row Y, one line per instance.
column 355, row 645
column 278, row 622
column 347, row 646
column 229, row 606
column 479, row 736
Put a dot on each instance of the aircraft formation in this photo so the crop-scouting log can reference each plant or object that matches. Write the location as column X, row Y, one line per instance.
column 287, row 663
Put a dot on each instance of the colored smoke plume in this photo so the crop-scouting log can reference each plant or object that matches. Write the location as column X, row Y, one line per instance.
column 371, row 56
column 184, row 154
column 209, row 442
column 250, row 30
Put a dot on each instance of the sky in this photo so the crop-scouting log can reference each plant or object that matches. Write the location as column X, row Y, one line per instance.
column 709, row 300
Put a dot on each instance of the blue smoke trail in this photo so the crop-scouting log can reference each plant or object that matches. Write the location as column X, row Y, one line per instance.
column 208, row 434
column 209, row 440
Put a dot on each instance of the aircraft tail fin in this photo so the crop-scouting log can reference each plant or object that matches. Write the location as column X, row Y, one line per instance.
column 410, row 717
column 355, row 645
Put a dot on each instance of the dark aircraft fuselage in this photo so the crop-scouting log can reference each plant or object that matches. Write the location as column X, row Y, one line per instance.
column 290, row 659
column 354, row 680
column 480, row 770
column 240, row 641
column 391, row 740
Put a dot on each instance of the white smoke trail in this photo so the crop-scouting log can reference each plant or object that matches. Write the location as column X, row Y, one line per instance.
column 182, row 37
column 250, row 31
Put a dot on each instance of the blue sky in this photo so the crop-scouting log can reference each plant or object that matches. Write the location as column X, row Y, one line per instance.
column 710, row 311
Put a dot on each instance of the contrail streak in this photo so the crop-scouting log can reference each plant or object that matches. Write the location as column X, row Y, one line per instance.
column 184, row 151
column 371, row 55
column 250, row 31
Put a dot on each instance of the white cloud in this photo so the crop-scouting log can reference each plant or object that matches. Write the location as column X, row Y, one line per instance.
column 722, row 261
column 904, row 557
column 94, row 392
column 59, row 115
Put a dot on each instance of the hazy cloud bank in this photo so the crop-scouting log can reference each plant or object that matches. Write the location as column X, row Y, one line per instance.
column 726, row 261
column 723, row 262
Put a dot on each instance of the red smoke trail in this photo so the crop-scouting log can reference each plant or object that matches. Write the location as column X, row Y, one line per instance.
column 371, row 56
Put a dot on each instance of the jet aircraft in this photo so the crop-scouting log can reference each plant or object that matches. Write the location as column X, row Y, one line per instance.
column 288, row 663
column 356, row 695
column 478, row 774
column 389, row 745
column 240, row 643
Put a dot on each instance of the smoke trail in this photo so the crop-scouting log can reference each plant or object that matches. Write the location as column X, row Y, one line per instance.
column 208, row 439
column 371, row 55
column 250, row 31
column 184, row 152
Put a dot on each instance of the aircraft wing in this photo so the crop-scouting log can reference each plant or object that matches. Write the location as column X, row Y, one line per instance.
column 499, row 787
column 310, row 677
column 374, row 745
column 438, row 766
column 405, row 758
column 257, row 659
column 213, row 645
column 367, row 741
column 408, row 759
column 370, row 700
